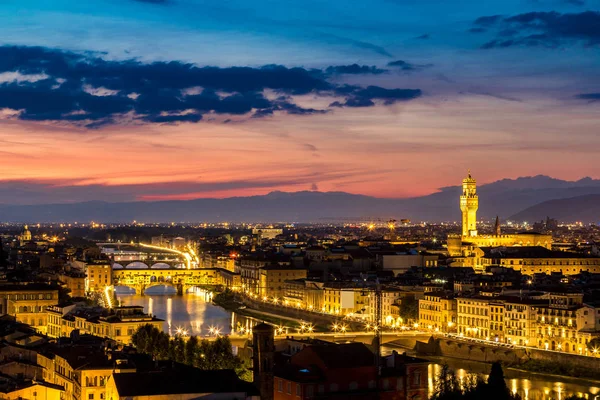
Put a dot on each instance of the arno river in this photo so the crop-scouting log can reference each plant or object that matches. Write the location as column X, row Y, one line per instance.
column 196, row 314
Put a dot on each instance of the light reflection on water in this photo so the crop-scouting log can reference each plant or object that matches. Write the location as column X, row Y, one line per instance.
column 538, row 388
column 193, row 312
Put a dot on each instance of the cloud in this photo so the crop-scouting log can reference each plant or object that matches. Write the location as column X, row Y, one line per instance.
column 406, row 66
column 45, row 84
column 354, row 69
column 543, row 29
column 424, row 36
column 364, row 97
column 589, row 96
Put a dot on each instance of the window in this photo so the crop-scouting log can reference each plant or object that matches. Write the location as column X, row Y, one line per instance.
column 371, row 384
column 309, row 391
column 353, row 386
column 298, row 390
column 91, row 396
column 333, row 387
column 417, row 378
column 289, row 387
column 321, row 389
column 280, row 385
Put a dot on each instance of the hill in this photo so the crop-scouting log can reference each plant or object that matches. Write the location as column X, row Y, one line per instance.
column 581, row 208
column 506, row 198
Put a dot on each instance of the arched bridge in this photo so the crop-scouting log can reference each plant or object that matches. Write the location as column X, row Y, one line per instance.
column 140, row 278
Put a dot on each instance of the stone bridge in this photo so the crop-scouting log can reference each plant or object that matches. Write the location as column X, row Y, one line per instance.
column 141, row 279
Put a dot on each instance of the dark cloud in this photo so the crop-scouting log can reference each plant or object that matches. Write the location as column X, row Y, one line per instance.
column 364, row 97
column 354, row 69
column 406, row 66
column 545, row 29
column 86, row 90
column 589, row 96
column 424, row 36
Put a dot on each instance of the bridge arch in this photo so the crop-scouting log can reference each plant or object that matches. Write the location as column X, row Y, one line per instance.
column 137, row 265
column 117, row 266
column 160, row 265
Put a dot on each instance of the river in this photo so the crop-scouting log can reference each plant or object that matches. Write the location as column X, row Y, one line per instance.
column 195, row 313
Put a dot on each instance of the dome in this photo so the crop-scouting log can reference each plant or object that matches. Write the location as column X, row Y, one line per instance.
column 137, row 265
column 160, row 266
column 117, row 266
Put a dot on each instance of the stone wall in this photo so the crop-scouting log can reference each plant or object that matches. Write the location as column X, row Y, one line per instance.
column 445, row 347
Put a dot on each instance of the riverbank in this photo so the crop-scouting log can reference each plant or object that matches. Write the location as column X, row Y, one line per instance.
column 525, row 359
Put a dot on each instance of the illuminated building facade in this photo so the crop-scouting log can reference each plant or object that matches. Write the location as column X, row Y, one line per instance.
column 28, row 303
column 437, row 311
column 118, row 324
column 462, row 247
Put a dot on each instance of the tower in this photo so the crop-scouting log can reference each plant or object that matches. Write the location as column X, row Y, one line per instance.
column 263, row 351
column 469, row 203
column 497, row 230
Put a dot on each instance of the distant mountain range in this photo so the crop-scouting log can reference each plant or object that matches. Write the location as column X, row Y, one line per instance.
column 527, row 198
column 581, row 208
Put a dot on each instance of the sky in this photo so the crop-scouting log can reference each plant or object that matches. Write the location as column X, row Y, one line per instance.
column 124, row 100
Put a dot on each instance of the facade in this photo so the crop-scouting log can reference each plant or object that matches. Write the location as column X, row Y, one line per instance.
column 82, row 372
column 28, row 303
column 438, row 311
column 463, row 245
column 273, row 278
column 117, row 324
column 400, row 263
column 267, row 233
column 473, row 316
column 74, row 282
column 98, row 276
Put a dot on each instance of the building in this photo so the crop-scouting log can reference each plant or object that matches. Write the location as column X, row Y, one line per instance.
column 98, row 276
column 273, row 278
column 267, row 233
column 463, row 245
column 399, row 263
column 117, row 324
column 341, row 371
column 473, row 316
column 309, row 294
column 74, row 282
column 28, row 303
column 181, row 384
column 556, row 323
column 82, row 371
column 438, row 311
column 536, row 259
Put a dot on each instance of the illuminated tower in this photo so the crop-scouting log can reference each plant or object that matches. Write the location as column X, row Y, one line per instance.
column 469, row 203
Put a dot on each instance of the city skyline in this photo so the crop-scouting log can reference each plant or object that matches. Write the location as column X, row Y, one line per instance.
column 174, row 99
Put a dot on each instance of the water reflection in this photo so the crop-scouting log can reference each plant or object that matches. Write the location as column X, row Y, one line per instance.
column 193, row 312
column 539, row 387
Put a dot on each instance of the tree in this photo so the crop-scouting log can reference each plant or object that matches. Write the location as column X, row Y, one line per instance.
column 409, row 309
column 204, row 354
column 472, row 387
